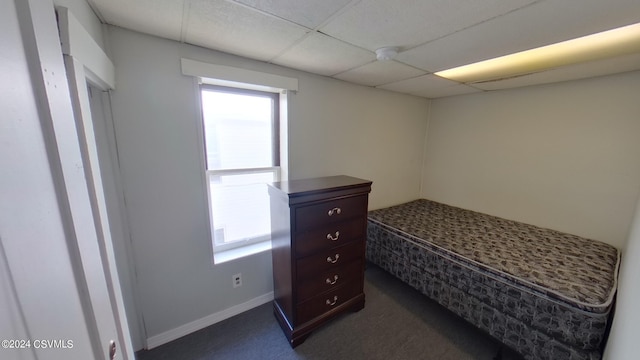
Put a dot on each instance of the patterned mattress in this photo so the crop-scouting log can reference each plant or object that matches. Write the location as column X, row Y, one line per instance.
column 544, row 293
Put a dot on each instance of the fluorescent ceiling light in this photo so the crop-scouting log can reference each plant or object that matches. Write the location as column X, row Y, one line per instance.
column 607, row 44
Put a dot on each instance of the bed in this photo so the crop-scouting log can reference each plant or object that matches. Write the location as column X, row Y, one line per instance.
column 544, row 293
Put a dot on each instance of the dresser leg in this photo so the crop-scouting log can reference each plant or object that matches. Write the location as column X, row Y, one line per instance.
column 358, row 306
column 299, row 340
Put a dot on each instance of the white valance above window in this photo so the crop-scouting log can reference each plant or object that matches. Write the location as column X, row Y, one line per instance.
column 232, row 76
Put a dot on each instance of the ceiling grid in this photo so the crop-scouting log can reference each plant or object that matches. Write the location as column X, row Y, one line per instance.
column 338, row 38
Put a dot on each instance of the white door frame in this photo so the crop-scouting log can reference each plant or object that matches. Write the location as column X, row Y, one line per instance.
column 54, row 274
column 85, row 62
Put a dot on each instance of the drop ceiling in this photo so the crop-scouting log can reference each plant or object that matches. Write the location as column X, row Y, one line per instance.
column 338, row 38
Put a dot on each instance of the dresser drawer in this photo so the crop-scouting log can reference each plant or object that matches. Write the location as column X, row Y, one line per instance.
column 332, row 235
column 329, row 280
column 329, row 259
column 329, row 212
column 322, row 303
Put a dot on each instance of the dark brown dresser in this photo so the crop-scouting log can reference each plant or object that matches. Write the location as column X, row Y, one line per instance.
column 318, row 238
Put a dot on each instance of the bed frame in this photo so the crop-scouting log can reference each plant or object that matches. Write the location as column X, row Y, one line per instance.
column 545, row 294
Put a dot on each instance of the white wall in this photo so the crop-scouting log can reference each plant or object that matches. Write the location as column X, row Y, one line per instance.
column 562, row 156
column 334, row 128
column 623, row 340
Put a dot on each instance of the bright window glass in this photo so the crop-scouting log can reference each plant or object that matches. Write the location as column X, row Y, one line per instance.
column 241, row 144
column 238, row 130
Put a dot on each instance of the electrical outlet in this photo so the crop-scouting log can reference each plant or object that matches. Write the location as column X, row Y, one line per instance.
column 237, row 280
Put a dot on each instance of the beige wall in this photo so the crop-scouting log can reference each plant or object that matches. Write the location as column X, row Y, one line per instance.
column 562, row 156
column 334, row 128
column 339, row 128
column 623, row 340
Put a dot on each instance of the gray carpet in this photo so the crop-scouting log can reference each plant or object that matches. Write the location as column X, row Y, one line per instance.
column 396, row 323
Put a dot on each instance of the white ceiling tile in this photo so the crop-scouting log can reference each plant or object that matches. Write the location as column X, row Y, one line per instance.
column 229, row 27
column 537, row 25
column 416, row 84
column 434, row 93
column 307, row 13
column 323, row 55
column 572, row 72
column 161, row 18
column 433, row 35
column 372, row 24
column 379, row 72
column 429, row 86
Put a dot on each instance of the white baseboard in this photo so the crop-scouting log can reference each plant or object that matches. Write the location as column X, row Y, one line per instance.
column 180, row 331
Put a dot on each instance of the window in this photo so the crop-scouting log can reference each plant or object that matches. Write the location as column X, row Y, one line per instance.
column 242, row 155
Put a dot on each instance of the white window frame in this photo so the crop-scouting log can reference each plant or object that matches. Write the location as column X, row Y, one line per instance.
column 206, row 73
column 275, row 170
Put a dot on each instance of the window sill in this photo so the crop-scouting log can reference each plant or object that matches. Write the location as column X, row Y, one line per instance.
column 240, row 252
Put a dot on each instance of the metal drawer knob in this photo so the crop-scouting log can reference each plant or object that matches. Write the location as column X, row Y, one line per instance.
column 335, row 280
column 333, row 261
column 332, row 237
column 331, row 303
column 335, row 210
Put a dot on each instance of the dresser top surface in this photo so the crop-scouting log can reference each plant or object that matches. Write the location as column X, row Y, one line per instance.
column 321, row 184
